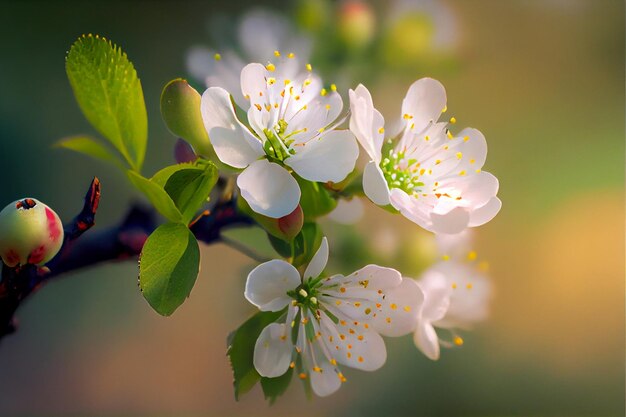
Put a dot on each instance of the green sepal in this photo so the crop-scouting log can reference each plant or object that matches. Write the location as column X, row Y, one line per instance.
column 316, row 200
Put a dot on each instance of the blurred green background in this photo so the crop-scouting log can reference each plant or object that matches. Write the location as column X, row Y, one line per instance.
column 543, row 80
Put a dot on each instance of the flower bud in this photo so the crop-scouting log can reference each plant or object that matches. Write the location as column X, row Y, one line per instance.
column 30, row 233
column 285, row 228
column 180, row 108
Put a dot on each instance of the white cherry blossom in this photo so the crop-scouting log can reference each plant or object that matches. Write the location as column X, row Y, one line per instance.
column 291, row 128
column 338, row 319
column 261, row 36
column 456, row 294
column 432, row 177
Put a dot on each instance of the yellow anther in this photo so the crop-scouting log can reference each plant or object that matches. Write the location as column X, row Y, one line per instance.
column 342, row 290
column 258, row 106
column 472, row 161
column 287, row 81
column 341, row 377
column 217, row 57
column 302, row 375
column 483, row 266
column 338, row 302
column 333, row 362
column 328, row 107
column 465, row 138
column 291, row 55
column 323, row 92
column 407, row 116
column 270, row 67
column 438, row 161
column 307, row 82
column 459, row 155
column 360, row 337
column 450, row 135
column 303, row 292
column 349, row 355
column 381, row 130
column 407, row 309
column 357, row 304
column 368, row 310
column 292, row 365
column 309, row 67
column 471, row 255
column 458, row 340
column 469, row 286
column 454, row 285
column 462, row 173
column 317, row 369
column 360, row 359
column 388, row 319
column 445, row 148
column 333, row 87
column 276, row 54
column 313, row 300
column 426, row 138
column 393, row 306
column 271, row 81
column 445, row 109
column 283, row 338
column 453, row 120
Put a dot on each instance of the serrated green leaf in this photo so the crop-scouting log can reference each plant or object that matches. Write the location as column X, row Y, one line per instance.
column 109, row 94
column 241, row 350
column 159, row 198
column 190, row 188
column 90, row 147
column 315, row 200
column 169, row 265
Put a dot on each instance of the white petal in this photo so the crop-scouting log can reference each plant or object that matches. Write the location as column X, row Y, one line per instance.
column 354, row 346
column 366, row 122
column 454, row 221
column 411, row 208
column 424, row 102
column 483, row 214
column 478, row 189
column 268, row 283
column 400, row 309
column 374, row 184
column 233, row 142
column 426, row 340
column 269, row 189
column 437, row 289
column 318, row 262
column 329, row 157
column 273, row 350
column 326, row 381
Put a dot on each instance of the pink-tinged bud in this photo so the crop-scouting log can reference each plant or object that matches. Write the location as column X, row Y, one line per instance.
column 183, row 152
column 291, row 224
column 30, row 233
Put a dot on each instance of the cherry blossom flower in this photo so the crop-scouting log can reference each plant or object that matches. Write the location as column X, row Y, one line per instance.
column 260, row 36
column 329, row 320
column 432, row 177
column 292, row 128
column 456, row 294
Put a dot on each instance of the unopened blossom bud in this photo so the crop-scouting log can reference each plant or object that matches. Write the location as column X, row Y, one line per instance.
column 30, row 233
column 285, row 228
column 291, row 224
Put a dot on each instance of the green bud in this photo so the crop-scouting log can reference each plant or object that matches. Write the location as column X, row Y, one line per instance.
column 30, row 233
column 180, row 108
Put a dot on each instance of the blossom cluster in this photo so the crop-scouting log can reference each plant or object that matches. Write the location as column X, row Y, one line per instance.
column 283, row 127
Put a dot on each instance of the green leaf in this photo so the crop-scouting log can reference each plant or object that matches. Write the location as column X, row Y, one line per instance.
column 180, row 109
column 275, row 387
column 241, row 350
column 190, row 188
column 316, row 201
column 164, row 174
column 109, row 94
column 169, row 265
column 159, row 198
column 90, row 147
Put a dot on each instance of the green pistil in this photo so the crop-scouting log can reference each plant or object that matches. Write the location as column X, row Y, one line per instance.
column 276, row 143
column 404, row 179
column 306, row 295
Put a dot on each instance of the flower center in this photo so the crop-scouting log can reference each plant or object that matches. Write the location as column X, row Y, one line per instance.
column 278, row 143
column 401, row 173
column 306, row 294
